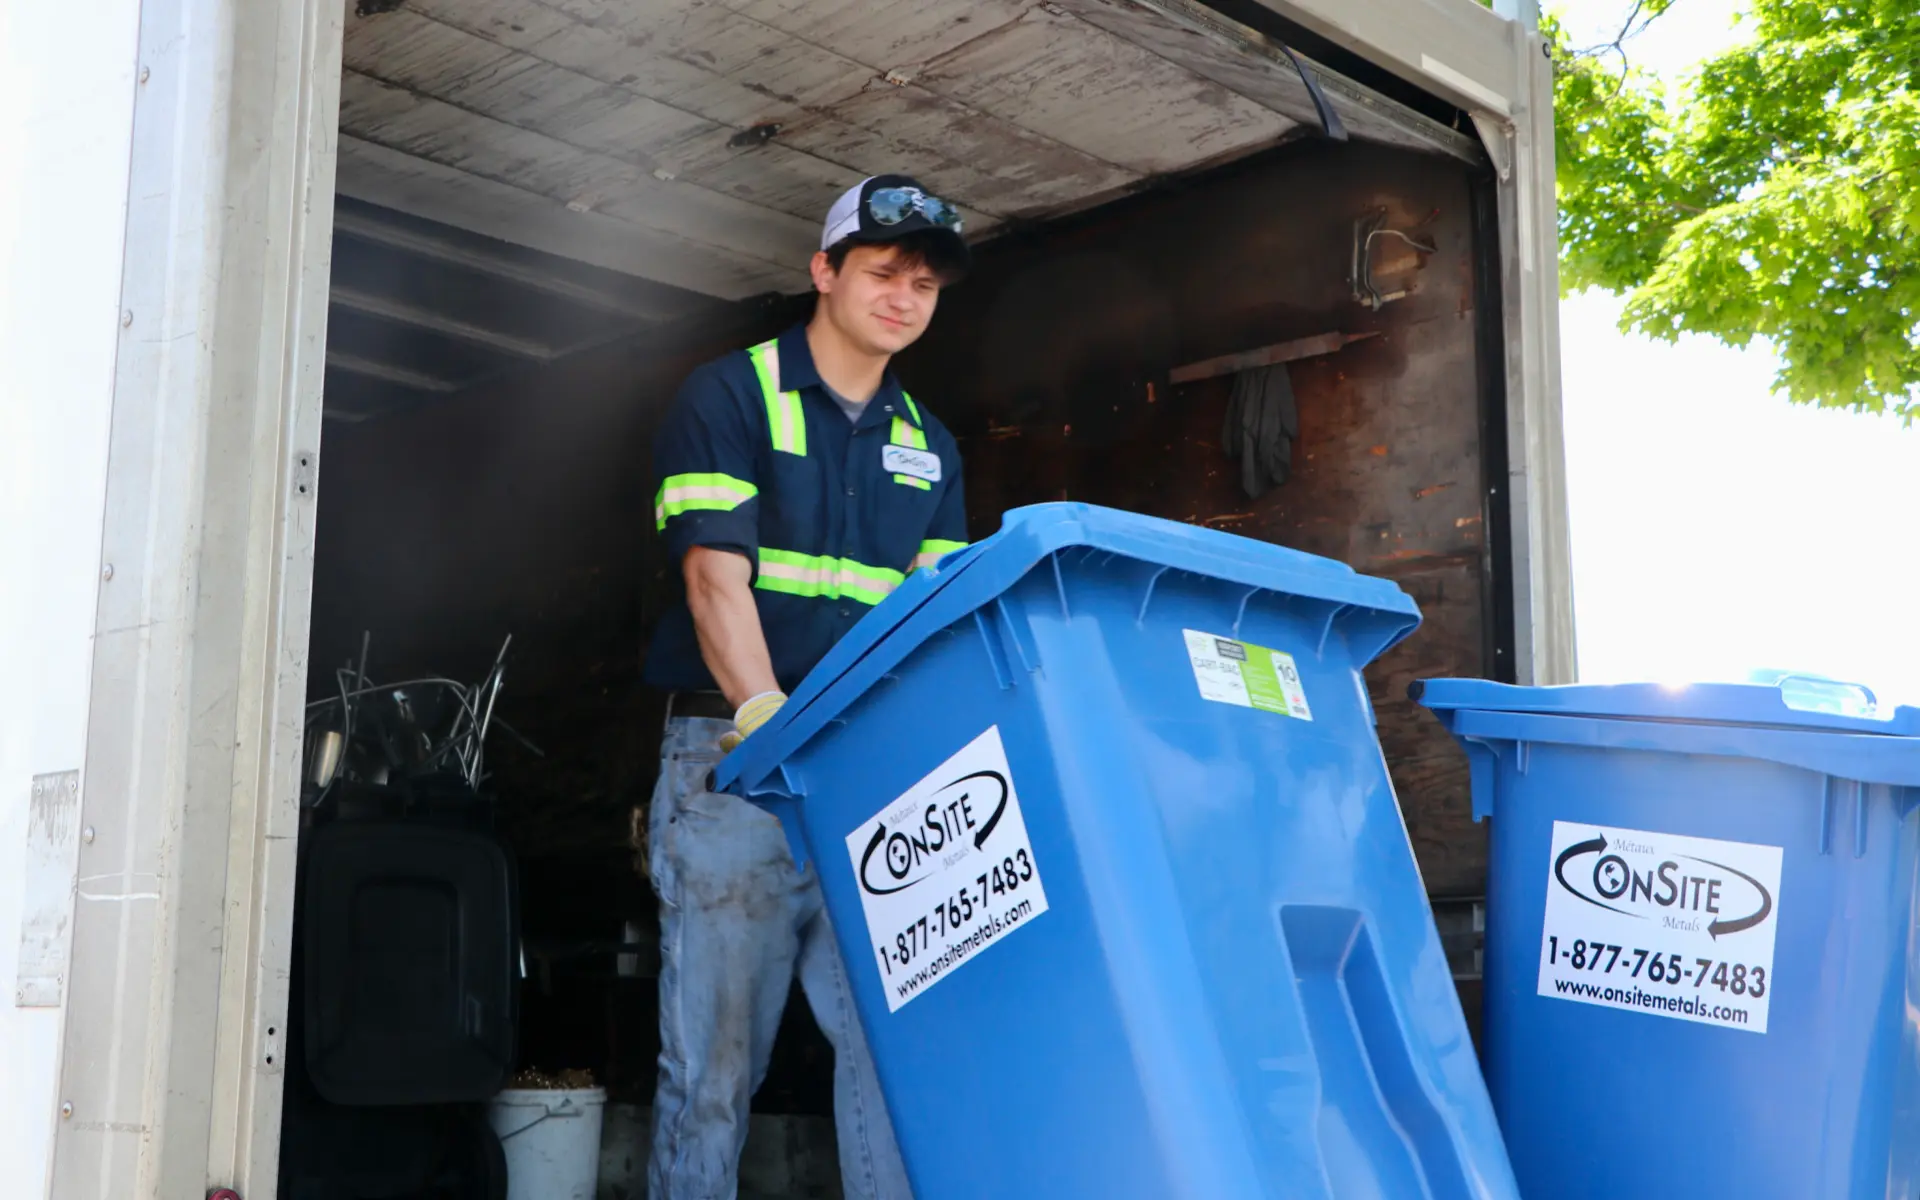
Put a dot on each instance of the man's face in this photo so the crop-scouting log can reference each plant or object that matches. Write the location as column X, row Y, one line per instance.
column 878, row 301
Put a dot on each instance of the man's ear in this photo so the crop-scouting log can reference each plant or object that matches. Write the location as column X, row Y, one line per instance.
column 822, row 271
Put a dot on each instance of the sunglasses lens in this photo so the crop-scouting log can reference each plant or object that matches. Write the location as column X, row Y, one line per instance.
column 890, row 206
column 941, row 213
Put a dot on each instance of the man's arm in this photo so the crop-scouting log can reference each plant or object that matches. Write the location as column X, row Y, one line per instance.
column 720, row 595
column 708, row 515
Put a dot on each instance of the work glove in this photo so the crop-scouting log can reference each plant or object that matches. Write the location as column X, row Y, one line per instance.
column 757, row 711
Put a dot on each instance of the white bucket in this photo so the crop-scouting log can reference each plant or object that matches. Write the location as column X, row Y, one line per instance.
column 552, row 1140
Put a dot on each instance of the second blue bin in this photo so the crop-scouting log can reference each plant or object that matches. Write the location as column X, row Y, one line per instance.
column 1701, row 960
column 1126, row 901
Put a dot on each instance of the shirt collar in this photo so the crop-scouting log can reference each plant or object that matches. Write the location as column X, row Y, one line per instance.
column 797, row 372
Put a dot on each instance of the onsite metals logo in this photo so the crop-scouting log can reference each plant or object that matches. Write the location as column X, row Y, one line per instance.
column 946, row 870
column 967, row 810
column 1661, row 923
column 1681, row 892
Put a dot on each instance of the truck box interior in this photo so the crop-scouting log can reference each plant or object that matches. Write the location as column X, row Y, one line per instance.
column 550, row 210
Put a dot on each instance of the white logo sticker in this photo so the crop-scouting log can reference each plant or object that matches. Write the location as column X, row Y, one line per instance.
column 905, row 460
column 1680, row 927
column 946, row 870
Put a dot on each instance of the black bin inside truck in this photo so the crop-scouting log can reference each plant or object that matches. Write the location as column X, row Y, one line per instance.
column 485, row 472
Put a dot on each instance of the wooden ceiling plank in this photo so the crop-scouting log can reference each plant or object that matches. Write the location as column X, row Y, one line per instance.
column 434, row 130
column 846, row 117
column 381, row 175
column 1253, row 65
column 399, row 376
column 431, row 321
column 1066, row 79
column 604, row 118
column 884, row 35
column 458, row 254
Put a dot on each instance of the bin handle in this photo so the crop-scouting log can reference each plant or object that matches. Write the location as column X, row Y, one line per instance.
column 1818, row 684
column 551, row 1114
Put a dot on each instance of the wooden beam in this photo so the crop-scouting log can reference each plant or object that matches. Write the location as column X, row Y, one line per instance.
column 415, row 317
column 1266, row 356
column 1251, row 64
column 447, row 250
column 510, row 213
column 353, row 364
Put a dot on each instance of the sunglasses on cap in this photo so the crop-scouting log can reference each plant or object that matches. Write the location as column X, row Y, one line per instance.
column 892, row 205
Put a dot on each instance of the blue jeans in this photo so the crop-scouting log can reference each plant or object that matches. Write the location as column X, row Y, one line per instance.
column 737, row 923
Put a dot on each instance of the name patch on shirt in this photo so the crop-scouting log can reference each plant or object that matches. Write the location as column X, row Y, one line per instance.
column 905, row 460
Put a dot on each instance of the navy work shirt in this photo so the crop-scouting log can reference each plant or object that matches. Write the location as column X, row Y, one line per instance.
column 756, row 458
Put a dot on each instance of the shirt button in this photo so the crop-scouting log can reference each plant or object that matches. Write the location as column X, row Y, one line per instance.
column 849, row 489
column 846, row 612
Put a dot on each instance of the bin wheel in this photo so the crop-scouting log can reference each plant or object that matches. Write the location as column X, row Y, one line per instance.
column 477, row 1162
column 491, row 1165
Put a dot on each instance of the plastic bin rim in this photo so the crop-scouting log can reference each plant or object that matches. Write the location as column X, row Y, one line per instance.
column 1865, row 758
column 968, row 579
column 1756, row 706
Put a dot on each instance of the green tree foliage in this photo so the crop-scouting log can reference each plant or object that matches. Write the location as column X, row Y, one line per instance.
column 1776, row 194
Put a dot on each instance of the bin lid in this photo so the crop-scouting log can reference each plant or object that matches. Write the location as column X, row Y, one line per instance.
column 968, row 579
column 1807, row 702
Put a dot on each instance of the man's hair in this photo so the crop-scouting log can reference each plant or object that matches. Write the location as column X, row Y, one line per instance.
column 929, row 248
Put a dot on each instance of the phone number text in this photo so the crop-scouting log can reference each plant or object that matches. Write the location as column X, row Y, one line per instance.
column 1605, row 958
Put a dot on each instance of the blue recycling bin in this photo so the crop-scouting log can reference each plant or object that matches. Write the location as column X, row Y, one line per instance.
column 1700, row 960
column 1127, row 904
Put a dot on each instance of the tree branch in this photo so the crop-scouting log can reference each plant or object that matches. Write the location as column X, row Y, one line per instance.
column 1627, row 32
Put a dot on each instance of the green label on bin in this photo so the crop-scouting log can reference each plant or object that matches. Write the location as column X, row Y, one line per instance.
column 1235, row 672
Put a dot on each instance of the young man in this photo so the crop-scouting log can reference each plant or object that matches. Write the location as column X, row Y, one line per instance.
column 798, row 486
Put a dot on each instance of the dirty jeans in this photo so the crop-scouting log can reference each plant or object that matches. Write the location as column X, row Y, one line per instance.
column 737, row 922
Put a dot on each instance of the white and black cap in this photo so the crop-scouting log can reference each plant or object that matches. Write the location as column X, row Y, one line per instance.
column 886, row 208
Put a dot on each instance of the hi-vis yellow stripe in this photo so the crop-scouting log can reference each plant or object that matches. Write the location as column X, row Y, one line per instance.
column 823, row 575
column 905, row 433
column 932, row 550
column 710, row 492
column 785, row 416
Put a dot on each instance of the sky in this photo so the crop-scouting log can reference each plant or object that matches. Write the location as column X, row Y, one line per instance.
column 1718, row 529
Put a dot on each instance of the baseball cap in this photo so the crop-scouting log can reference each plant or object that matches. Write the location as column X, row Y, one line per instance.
column 886, row 208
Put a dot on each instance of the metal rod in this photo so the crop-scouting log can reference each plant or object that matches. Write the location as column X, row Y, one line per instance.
column 1266, row 356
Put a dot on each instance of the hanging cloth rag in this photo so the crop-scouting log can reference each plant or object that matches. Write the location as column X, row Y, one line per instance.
column 1262, row 423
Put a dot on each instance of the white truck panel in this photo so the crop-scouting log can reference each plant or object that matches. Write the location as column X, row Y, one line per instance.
column 202, row 343
column 67, row 77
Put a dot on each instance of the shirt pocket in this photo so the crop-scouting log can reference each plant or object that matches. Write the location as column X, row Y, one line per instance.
column 795, row 508
column 905, row 514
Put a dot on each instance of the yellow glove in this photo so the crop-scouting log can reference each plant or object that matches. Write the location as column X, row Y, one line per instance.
column 757, row 711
